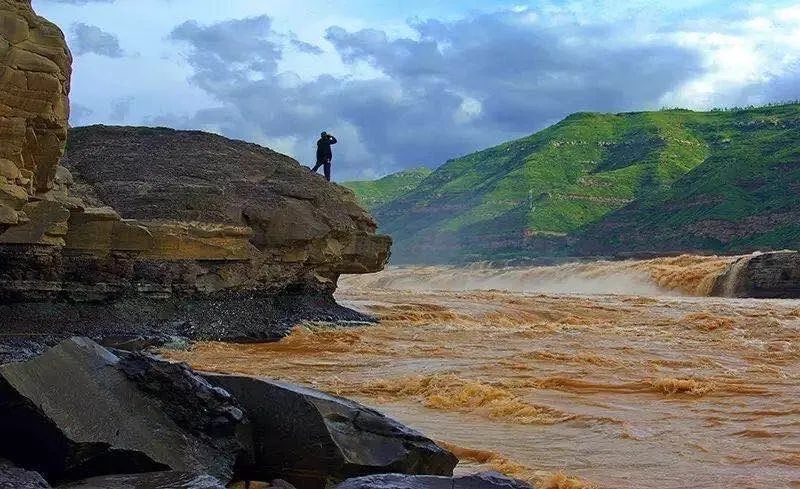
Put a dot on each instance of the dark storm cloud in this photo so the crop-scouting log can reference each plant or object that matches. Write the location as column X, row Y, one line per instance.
column 522, row 73
column 452, row 88
column 92, row 39
column 785, row 88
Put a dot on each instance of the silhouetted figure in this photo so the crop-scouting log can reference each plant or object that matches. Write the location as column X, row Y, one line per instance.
column 324, row 153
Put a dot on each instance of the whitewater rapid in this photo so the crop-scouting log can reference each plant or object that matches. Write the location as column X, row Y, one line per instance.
column 662, row 389
column 681, row 275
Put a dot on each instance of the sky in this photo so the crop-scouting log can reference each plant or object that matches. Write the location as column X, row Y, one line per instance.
column 412, row 83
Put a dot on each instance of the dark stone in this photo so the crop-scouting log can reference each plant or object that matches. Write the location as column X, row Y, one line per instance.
column 483, row 480
column 202, row 409
column 280, row 484
column 151, row 480
column 131, row 323
column 764, row 276
column 310, row 438
column 13, row 477
column 79, row 411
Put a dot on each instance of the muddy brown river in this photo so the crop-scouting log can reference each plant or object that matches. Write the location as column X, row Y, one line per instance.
column 612, row 375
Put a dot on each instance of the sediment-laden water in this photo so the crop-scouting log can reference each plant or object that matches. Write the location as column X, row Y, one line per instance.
column 651, row 387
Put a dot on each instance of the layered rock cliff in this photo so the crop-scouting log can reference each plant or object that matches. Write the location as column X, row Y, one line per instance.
column 35, row 70
column 158, row 232
column 302, row 226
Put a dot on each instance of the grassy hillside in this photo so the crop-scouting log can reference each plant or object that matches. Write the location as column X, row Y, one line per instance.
column 673, row 180
column 373, row 193
column 744, row 197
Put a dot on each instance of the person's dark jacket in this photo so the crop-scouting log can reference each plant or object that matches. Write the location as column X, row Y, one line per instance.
column 324, row 147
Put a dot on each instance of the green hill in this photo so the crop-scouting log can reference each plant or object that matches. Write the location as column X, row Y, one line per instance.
column 604, row 184
column 374, row 193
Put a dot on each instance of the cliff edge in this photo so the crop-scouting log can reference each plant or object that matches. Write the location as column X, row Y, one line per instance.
column 154, row 233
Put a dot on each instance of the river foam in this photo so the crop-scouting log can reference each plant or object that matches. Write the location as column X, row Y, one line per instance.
column 565, row 390
column 681, row 275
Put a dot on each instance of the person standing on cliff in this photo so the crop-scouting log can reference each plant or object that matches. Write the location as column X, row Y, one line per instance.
column 324, row 153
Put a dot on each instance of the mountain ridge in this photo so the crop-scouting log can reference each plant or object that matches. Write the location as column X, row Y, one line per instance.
column 607, row 184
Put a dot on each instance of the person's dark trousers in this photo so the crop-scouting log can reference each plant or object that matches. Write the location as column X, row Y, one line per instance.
column 327, row 164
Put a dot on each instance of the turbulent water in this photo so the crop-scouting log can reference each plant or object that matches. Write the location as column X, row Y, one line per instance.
column 550, row 381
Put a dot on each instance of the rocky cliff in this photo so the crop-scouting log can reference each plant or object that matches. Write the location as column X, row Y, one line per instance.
column 301, row 226
column 35, row 69
column 158, row 232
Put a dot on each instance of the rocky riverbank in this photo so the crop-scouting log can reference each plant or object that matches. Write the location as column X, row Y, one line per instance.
column 130, row 420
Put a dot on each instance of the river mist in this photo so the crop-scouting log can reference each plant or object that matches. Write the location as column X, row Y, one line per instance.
column 607, row 374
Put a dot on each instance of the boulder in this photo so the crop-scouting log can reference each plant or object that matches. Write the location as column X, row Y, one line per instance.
column 312, row 439
column 13, row 477
column 483, row 480
column 766, row 275
column 79, row 411
column 149, row 480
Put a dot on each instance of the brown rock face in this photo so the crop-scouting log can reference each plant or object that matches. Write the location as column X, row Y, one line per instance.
column 302, row 226
column 35, row 70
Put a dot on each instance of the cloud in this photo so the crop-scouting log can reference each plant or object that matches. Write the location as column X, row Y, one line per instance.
column 449, row 89
column 120, row 109
column 306, row 47
column 92, row 39
column 79, row 114
column 747, row 58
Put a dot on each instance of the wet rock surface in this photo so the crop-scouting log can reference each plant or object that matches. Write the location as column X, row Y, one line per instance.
column 766, row 276
column 483, row 480
column 310, row 438
column 80, row 415
column 79, row 411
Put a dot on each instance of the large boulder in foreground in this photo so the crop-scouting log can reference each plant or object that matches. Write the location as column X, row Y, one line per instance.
column 767, row 275
column 299, row 220
column 79, row 411
column 483, row 480
column 311, row 439
column 149, row 480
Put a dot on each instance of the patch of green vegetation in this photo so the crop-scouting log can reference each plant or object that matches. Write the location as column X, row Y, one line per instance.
column 373, row 193
column 669, row 180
